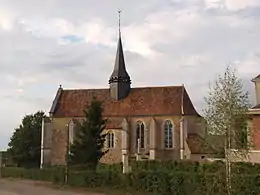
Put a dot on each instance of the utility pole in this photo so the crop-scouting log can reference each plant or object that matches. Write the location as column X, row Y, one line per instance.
column 1, row 162
column 67, row 155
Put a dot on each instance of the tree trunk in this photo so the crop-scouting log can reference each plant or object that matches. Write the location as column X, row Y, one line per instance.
column 228, row 173
column 227, row 162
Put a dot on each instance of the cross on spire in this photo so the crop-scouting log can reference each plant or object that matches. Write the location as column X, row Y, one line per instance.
column 119, row 22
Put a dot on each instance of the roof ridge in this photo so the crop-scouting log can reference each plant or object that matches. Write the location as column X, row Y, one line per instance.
column 163, row 86
column 148, row 87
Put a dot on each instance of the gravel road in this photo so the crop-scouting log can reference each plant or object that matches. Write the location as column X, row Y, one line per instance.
column 19, row 187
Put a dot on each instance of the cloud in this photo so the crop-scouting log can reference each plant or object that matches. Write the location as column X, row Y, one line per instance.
column 240, row 4
column 232, row 5
column 172, row 42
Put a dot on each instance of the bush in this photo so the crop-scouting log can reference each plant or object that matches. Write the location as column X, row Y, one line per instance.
column 113, row 167
column 55, row 174
column 152, row 177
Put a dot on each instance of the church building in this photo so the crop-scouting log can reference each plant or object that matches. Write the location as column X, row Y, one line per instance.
column 149, row 122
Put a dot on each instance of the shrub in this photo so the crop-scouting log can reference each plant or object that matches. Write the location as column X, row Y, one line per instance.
column 110, row 167
column 158, row 178
column 55, row 174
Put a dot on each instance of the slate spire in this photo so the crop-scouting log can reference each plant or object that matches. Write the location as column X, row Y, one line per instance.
column 120, row 82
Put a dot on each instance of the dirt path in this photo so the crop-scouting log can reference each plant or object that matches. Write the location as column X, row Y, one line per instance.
column 20, row 187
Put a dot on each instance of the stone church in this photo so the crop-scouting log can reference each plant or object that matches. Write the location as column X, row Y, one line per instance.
column 148, row 122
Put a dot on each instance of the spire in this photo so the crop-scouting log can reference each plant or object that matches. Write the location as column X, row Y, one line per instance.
column 119, row 67
column 119, row 80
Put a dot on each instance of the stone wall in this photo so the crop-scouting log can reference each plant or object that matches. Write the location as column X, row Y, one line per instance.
column 114, row 154
column 59, row 138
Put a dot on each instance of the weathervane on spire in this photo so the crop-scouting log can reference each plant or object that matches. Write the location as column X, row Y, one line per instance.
column 119, row 25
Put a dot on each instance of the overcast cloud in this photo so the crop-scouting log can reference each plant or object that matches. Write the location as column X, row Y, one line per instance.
column 47, row 43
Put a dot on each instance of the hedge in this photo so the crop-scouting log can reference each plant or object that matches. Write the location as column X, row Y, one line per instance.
column 55, row 174
column 167, row 183
column 191, row 166
column 152, row 177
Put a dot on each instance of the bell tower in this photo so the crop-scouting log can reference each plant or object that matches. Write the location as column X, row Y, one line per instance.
column 120, row 82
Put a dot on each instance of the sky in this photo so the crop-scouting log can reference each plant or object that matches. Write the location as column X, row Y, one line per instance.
column 44, row 44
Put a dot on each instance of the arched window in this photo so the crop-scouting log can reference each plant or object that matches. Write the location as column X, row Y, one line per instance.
column 168, row 133
column 110, row 140
column 140, row 134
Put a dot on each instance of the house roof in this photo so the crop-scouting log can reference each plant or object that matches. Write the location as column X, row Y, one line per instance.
column 139, row 102
column 256, row 78
column 256, row 107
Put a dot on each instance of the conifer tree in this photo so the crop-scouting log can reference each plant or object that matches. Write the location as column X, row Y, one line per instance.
column 87, row 148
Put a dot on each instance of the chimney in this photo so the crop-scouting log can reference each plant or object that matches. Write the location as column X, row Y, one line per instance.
column 256, row 80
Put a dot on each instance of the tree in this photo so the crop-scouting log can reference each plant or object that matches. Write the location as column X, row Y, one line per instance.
column 226, row 119
column 87, row 148
column 25, row 143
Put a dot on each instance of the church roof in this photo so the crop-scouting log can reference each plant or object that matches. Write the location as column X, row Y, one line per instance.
column 140, row 102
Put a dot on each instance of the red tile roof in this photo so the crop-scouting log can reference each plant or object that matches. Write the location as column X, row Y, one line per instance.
column 140, row 101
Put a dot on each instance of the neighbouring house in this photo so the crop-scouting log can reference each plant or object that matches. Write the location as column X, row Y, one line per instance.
column 255, row 115
column 254, row 126
column 161, row 120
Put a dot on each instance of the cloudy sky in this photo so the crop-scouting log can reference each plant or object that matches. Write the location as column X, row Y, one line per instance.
column 47, row 43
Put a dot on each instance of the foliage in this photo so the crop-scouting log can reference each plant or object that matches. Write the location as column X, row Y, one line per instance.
column 25, row 144
column 153, row 178
column 55, row 174
column 87, row 148
column 226, row 114
column 165, row 165
column 110, row 167
column 100, row 167
column 226, row 119
column 6, row 159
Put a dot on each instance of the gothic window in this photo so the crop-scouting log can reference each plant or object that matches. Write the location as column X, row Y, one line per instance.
column 71, row 131
column 110, row 140
column 140, row 134
column 168, row 134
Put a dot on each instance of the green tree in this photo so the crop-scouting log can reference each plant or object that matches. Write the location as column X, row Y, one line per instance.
column 87, row 148
column 25, row 143
column 226, row 118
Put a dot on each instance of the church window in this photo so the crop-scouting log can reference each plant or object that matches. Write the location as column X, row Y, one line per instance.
column 140, row 134
column 110, row 140
column 168, row 134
